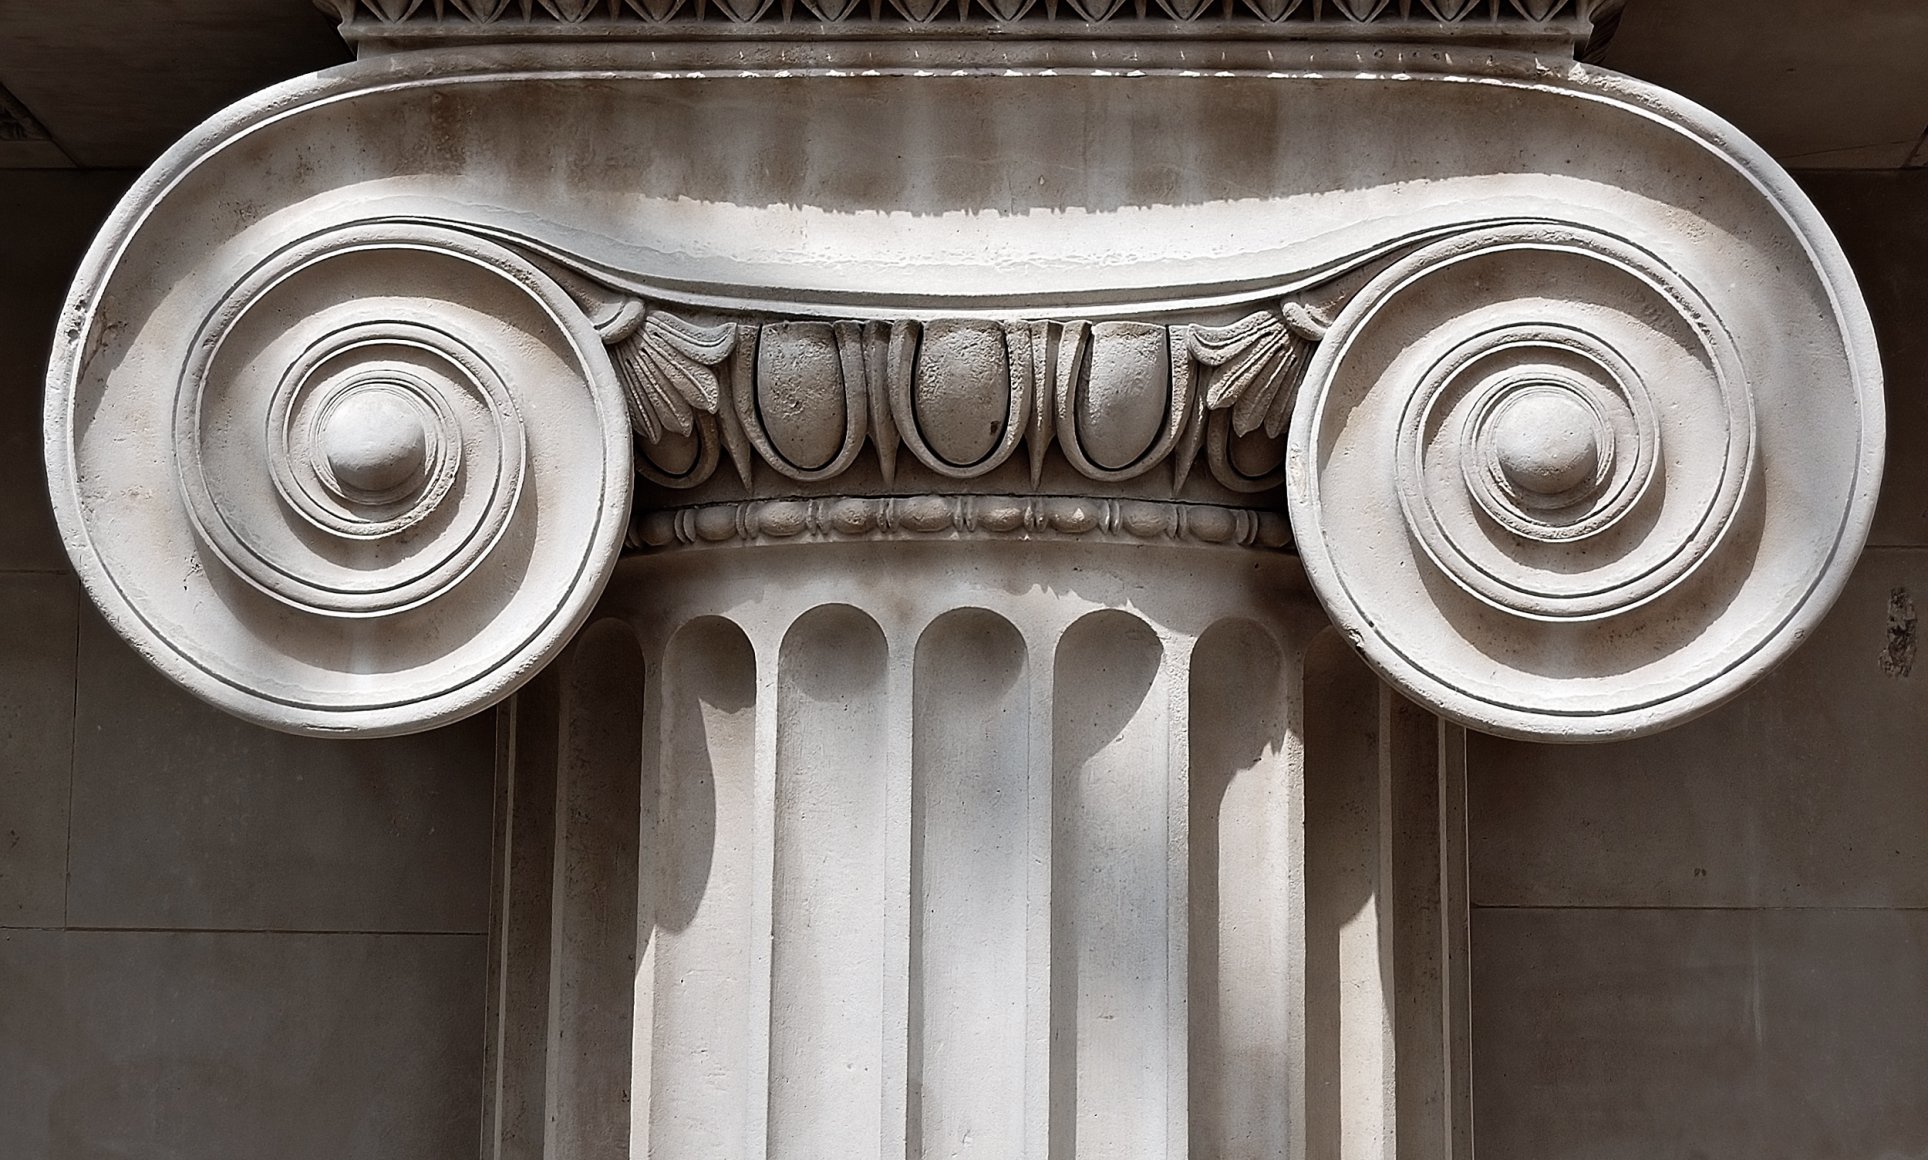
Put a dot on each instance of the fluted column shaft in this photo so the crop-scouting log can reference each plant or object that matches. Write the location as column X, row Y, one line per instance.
column 949, row 850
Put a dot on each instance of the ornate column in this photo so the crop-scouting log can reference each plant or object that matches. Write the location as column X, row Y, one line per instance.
column 976, row 446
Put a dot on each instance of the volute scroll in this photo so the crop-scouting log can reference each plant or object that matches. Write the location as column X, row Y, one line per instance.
column 404, row 459
column 1534, row 481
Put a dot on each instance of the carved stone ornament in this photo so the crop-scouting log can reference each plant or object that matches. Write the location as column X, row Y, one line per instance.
column 1566, row 391
column 1554, row 25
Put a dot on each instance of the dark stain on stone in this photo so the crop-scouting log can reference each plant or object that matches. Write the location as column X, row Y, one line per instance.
column 1898, row 658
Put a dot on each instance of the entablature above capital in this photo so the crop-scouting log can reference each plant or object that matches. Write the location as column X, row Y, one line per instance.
column 366, row 385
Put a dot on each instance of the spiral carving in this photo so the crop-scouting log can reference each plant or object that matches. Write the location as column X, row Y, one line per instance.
column 1529, row 485
column 409, row 447
column 1528, row 464
column 395, row 453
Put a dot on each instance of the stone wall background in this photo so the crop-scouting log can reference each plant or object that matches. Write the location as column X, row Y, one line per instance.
column 217, row 941
column 1713, row 943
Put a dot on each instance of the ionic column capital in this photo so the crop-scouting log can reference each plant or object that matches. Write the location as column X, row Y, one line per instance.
column 366, row 386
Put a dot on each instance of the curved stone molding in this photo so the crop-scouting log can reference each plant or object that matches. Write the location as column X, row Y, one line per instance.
column 394, row 477
column 1593, row 474
column 353, row 391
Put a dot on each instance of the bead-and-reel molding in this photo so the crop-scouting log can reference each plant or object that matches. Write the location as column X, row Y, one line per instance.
column 1527, row 482
column 408, row 446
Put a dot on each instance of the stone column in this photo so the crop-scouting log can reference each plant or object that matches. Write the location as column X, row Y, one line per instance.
column 969, row 850
column 986, row 465
column 975, row 848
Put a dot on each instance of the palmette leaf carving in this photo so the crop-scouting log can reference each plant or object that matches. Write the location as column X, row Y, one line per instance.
column 377, row 17
column 668, row 371
column 480, row 11
column 1009, row 9
column 1184, row 9
column 1273, row 11
column 1360, row 10
column 1254, row 366
column 743, row 11
column 1451, row 9
column 832, row 11
column 1096, row 11
column 1538, row 9
column 395, row 10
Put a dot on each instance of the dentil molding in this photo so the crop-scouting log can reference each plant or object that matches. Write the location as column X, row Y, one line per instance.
column 1572, row 27
column 1577, row 425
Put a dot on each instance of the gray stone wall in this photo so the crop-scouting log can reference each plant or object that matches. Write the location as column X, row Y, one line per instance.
column 1713, row 943
column 215, row 941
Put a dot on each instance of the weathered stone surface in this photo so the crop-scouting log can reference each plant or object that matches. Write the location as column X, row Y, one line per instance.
column 1778, row 1035
column 1797, row 794
column 961, row 394
column 184, row 817
column 1126, row 401
column 239, row 1046
column 800, row 394
column 1600, row 500
column 37, row 642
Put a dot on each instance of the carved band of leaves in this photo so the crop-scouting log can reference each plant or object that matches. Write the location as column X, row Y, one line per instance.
column 668, row 370
column 679, row 461
column 959, row 517
column 1254, row 365
column 1222, row 449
